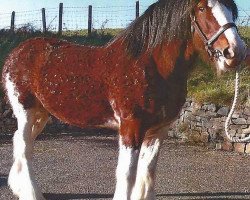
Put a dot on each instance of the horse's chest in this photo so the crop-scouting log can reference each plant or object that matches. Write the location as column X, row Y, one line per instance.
column 168, row 95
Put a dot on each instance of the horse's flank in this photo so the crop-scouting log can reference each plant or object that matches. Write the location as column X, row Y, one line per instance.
column 83, row 85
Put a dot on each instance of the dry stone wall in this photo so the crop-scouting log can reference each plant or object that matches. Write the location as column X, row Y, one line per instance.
column 198, row 123
column 204, row 123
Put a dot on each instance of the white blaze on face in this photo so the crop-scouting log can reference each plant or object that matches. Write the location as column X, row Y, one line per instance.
column 223, row 15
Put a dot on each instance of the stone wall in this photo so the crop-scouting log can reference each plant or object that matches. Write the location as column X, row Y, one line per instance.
column 204, row 123
column 198, row 123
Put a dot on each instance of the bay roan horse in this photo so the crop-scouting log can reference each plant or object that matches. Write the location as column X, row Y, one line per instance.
column 137, row 84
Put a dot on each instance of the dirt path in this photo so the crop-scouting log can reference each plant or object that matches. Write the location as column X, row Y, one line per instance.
column 83, row 167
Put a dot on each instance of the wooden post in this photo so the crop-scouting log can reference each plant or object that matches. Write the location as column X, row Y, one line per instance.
column 137, row 9
column 44, row 20
column 60, row 18
column 12, row 23
column 90, row 20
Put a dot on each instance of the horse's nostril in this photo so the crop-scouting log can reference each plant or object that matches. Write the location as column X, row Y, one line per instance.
column 228, row 53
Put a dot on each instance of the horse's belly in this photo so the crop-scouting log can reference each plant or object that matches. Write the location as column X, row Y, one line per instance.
column 80, row 110
column 83, row 115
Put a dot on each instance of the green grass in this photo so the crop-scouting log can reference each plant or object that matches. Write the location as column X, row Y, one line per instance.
column 97, row 38
column 245, row 33
column 205, row 86
column 203, row 83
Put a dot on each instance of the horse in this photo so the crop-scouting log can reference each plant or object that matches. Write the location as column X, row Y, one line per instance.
column 135, row 84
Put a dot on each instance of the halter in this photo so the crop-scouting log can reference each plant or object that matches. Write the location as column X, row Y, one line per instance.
column 213, row 53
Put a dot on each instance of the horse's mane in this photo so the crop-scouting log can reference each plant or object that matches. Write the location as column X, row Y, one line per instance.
column 164, row 20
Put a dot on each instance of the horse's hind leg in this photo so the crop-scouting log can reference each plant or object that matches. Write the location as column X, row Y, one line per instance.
column 30, row 123
column 21, row 178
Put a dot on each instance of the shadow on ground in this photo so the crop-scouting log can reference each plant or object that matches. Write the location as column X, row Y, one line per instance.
column 209, row 195
column 198, row 196
column 76, row 133
column 3, row 180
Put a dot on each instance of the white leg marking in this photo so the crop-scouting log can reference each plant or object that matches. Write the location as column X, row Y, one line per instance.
column 125, row 172
column 145, row 178
column 21, row 179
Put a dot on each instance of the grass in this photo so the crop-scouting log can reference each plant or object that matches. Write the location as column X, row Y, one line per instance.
column 245, row 33
column 203, row 84
column 97, row 38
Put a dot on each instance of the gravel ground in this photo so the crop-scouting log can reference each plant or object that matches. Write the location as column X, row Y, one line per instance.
column 83, row 167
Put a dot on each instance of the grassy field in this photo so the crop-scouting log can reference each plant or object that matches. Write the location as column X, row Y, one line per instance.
column 205, row 86
column 203, row 83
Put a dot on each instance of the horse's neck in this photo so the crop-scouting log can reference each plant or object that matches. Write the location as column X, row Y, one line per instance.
column 170, row 56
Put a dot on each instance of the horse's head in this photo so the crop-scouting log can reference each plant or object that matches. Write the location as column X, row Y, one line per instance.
column 213, row 23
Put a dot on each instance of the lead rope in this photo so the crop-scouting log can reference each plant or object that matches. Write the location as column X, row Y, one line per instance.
column 229, row 117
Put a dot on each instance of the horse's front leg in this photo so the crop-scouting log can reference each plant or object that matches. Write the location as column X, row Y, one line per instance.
column 146, row 169
column 128, row 159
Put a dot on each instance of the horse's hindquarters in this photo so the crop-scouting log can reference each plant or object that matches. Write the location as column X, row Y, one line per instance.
column 68, row 87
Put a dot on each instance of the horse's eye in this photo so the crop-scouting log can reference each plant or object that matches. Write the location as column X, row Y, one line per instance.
column 202, row 9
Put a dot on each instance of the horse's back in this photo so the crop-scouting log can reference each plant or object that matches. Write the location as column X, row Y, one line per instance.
column 62, row 77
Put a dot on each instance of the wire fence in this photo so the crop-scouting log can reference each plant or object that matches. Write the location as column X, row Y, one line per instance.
column 77, row 18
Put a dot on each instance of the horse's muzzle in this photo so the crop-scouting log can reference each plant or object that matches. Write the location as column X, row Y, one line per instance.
column 234, row 56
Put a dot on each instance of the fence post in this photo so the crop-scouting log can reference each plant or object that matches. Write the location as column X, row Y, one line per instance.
column 90, row 20
column 44, row 20
column 137, row 9
column 12, row 23
column 60, row 18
